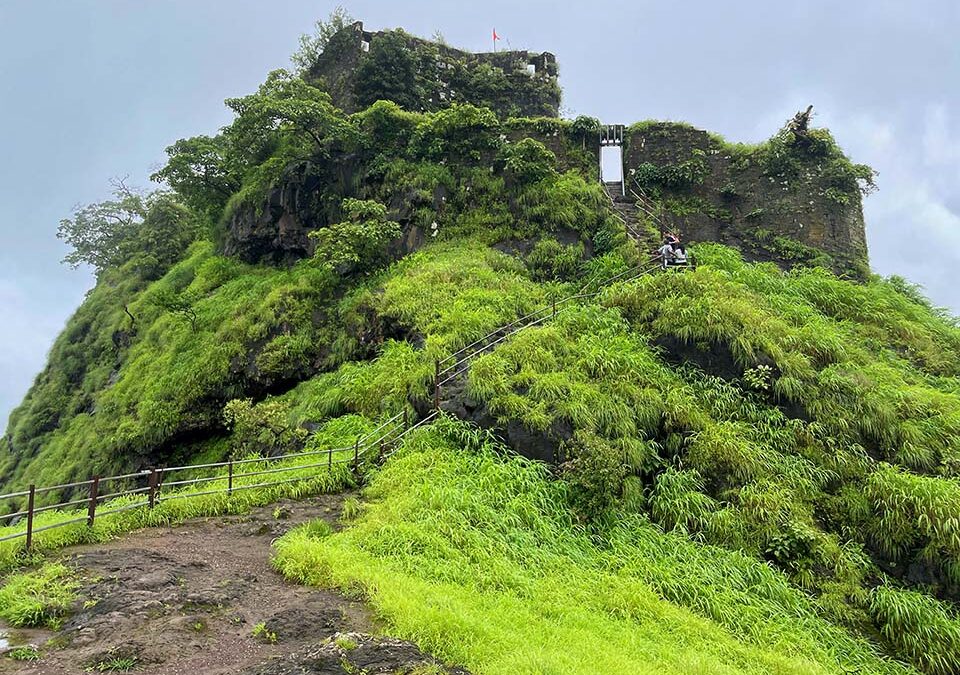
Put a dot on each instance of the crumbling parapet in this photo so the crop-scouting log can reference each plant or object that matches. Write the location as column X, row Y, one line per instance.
column 711, row 190
column 511, row 83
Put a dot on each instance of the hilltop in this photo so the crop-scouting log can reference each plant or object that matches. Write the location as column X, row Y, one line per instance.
column 752, row 465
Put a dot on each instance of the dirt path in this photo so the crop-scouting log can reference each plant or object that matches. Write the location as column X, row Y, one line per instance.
column 188, row 599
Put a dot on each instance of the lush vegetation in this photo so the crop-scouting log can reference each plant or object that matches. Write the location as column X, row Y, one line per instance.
column 142, row 371
column 758, row 470
column 476, row 558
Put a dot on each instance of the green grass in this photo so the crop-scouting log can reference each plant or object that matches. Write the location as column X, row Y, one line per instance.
column 28, row 653
column 116, row 664
column 38, row 598
column 178, row 505
column 472, row 555
column 262, row 633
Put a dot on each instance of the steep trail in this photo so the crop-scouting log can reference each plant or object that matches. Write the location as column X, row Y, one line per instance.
column 451, row 394
column 187, row 599
column 628, row 206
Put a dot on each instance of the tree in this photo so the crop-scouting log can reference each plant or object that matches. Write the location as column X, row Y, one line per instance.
column 203, row 171
column 286, row 108
column 312, row 46
column 389, row 72
column 165, row 234
column 152, row 231
column 96, row 231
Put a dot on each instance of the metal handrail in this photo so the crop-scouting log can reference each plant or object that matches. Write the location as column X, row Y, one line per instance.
column 391, row 432
column 494, row 332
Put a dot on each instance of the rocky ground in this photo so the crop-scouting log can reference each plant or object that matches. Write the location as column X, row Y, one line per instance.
column 202, row 598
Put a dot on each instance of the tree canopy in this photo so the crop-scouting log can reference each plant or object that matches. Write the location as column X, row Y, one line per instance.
column 312, row 46
column 152, row 231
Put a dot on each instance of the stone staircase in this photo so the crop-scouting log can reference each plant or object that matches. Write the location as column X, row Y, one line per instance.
column 627, row 210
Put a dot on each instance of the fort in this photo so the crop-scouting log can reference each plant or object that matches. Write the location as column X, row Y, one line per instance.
column 511, row 83
column 795, row 199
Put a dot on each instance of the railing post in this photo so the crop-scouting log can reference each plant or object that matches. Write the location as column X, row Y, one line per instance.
column 153, row 488
column 406, row 420
column 230, row 478
column 356, row 453
column 160, row 476
column 92, row 506
column 381, row 450
column 30, row 499
column 554, row 307
column 436, row 385
column 330, row 458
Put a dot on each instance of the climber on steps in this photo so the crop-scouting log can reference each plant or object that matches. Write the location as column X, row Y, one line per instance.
column 666, row 253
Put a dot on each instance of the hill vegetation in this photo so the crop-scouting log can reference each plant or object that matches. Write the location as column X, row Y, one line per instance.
column 758, row 468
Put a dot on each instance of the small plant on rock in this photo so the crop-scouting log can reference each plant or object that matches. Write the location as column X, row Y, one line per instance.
column 758, row 378
column 345, row 643
column 26, row 653
column 264, row 634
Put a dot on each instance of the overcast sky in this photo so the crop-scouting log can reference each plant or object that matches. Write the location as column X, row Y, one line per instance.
column 92, row 89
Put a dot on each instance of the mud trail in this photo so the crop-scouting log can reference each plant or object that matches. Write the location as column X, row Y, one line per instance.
column 188, row 599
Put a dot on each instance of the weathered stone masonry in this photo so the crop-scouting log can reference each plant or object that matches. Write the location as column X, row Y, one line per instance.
column 742, row 201
column 529, row 79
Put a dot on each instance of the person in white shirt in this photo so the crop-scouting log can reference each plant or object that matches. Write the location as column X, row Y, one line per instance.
column 679, row 255
column 666, row 253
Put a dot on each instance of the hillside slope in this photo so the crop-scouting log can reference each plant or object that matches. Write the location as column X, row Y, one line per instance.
column 762, row 456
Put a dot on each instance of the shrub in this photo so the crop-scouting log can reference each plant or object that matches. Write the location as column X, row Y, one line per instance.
column 549, row 260
column 527, row 161
column 28, row 653
column 359, row 243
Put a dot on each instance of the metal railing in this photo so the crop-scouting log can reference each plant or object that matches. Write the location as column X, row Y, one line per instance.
column 457, row 363
column 155, row 484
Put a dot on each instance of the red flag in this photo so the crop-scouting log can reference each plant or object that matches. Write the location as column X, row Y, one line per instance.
column 495, row 36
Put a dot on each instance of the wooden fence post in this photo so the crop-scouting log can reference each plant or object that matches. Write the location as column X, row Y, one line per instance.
column 153, row 487
column 356, row 453
column 436, row 386
column 30, row 499
column 554, row 307
column 92, row 505
column 406, row 418
column 230, row 478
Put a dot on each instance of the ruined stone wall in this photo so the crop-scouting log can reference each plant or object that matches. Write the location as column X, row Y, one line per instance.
column 580, row 152
column 276, row 231
column 739, row 202
column 511, row 83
